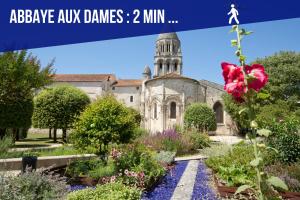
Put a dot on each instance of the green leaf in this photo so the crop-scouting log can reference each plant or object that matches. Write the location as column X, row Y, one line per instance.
column 242, row 188
column 253, row 124
column 272, row 149
column 264, row 132
column 263, row 96
column 255, row 162
column 243, row 110
column 277, row 183
column 234, row 43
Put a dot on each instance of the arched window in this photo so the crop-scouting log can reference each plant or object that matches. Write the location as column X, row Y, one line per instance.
column 155, row 111
column 218, row 108
column 175, row 67
column 168, row 67
column 173, row 110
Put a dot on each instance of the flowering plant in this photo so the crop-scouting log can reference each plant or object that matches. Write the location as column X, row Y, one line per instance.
column 243, row 83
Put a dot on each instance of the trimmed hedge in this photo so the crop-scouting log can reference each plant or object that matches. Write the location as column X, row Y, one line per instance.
column 200, row 117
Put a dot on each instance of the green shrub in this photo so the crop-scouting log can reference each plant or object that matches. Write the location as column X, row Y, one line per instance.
column 5, row 144
column 286, row 139
column 105, row 120
column 290, row 174
column 139, row 159
column 199, row 140
column 201, row 117
column 234, row 167
column 94, row 168
column 216, row 150
column 109, row 191
column 32, row 186
column 165, row 157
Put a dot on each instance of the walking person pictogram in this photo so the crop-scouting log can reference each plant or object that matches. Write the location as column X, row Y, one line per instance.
column 234, row 13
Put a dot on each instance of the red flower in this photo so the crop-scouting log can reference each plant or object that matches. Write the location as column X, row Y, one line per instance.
column 234, row 80
column 258, row 76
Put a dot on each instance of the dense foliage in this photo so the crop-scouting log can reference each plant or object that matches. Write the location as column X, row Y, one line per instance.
column 20, row 75
column 201, row 117
column 233, row 169
column 113, row 191
column 58, row 107
column 285, row 138
column 105, row 120
column 279, row 98
column 32, row 185
column 181, row 143
column 138, row 166
column 94, row 168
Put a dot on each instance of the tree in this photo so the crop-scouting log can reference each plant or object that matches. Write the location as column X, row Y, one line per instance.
column 201, row 117
column 20, row 74
column 104, row 121
column 283, row 69
column 58, row 107
column 279, row 97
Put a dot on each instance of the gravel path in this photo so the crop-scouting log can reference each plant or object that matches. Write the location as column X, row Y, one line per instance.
column 187, row 181
column 184, row 189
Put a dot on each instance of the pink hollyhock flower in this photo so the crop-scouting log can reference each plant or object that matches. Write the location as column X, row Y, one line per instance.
column 234, row 80
column 258, row 76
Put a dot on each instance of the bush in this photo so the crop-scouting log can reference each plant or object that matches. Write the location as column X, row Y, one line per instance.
column 104, row 121
column 94, row 168
column 111, row 191
column 286, row 139
column 5, row 143
column 58, row 107
column 140, row 160
column 290, row 174
column 166, row 157
column 201, row 117
column 234, row 167
column 32, row 186
column 199, row 140
column 170, row 140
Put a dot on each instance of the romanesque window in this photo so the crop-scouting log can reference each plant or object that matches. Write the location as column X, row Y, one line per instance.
column 175, row 67
column 131, row 98
column 168, row 67
column 218, row 108
column 173, row 110
column 155, row 111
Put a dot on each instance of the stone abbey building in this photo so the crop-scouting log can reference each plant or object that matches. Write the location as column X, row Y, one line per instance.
column 161, row 97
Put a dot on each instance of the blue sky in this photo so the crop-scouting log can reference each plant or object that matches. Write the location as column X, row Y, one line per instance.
column 203, row 51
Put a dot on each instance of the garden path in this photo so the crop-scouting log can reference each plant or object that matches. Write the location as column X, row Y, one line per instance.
column 184, row 189
column 187, row 181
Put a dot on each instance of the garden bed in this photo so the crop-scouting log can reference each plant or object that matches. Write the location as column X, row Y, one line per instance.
column 225, row 191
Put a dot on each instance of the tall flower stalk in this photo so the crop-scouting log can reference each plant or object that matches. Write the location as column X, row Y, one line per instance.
column 243, row 82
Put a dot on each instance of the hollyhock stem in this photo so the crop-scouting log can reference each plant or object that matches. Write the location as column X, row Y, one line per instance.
column 250, row 114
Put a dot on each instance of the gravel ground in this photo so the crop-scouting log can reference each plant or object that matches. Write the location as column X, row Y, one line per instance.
column 165, row 189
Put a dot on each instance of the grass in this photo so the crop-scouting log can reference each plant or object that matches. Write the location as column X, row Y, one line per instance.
column 35, row 140
column 59, row 151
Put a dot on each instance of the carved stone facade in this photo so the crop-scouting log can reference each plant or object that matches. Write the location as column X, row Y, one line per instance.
column 163, row 98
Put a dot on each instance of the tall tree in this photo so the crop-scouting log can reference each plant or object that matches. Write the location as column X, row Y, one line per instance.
column 58, row 107
column 21, row 74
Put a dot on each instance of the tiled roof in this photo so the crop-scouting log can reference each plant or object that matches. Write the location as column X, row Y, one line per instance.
column 172, row 75
column 212, row 84
column 83, row 77
column 128, row 82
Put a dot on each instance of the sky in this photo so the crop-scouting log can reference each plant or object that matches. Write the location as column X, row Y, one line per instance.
column 203, row 50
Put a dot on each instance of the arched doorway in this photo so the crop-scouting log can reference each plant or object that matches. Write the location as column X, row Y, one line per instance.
column 218, row 108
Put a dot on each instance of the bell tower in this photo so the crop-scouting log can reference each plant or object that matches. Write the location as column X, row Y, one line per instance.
column 168, row 57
